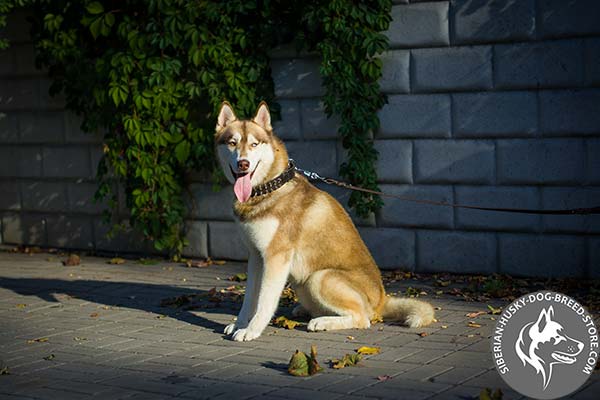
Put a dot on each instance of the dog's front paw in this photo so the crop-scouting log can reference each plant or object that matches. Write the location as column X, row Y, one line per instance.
column 245, row 335
column 229, row 329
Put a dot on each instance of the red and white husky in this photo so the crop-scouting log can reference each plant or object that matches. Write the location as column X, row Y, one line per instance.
column 299, row 233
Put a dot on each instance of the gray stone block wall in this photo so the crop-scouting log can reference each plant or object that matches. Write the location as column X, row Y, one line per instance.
column 490, row 103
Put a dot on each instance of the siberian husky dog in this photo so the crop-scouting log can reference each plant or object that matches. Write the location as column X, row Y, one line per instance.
column 299, row 233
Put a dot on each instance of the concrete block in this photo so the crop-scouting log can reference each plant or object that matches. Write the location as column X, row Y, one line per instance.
column 225, row 241
column 538, row 65
column 74, row 133
column 44, row 196
column 197, row 236
column 399, row 213
column 542, row 255
column 394, row 163
column 419, row 25
column 55, row 101
column 10, row 195
column 24, row 161
column 125, row 240
column 7, row 66
column 592, row 61
column 395, row 73
column 288, row 128
column 17, row 27
column 593, row 160
column 72, row 162
column 318, row 156
column 497, row 197
column 9, row 130
column 594, row 257
column 457, row 252
column 571, row 197
column 70, row 232
column 536, row 161
column 494, row 114
column 391, row 248
column 81, row 198
column 570, row 112
column 212, row 205
column 315, row 123
column 456, row 68
column 480, row 21
column 297, row 77
column 19, row 94
column 420, row 115
column 25, row 60
column 42, row 127
column 96, row 155
column 24, row 229
column 449, row 161
column 558, row 18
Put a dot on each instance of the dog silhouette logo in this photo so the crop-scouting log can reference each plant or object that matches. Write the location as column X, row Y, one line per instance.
column 545, row 345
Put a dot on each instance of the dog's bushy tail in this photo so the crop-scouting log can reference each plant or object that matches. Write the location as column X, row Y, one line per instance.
column 414, row 313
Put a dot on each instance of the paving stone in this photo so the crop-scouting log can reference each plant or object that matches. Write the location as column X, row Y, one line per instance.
column 480, row 21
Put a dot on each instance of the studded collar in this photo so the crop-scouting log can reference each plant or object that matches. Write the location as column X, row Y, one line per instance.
column 275, row 183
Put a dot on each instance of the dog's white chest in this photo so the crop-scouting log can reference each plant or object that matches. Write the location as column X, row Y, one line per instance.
column 261, row 232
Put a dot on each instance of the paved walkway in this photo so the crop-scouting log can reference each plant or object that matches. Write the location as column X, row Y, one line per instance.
column 98, row 331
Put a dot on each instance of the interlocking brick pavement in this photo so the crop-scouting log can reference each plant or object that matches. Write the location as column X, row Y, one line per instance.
column 102, row 334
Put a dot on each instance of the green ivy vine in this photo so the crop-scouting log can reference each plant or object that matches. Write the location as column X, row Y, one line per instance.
column 152, row 74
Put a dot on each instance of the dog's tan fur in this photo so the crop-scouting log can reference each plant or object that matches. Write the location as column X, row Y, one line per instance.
column 301, row 234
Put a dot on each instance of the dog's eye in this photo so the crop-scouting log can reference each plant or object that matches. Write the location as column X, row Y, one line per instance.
column 254, row 144
column 231, row 143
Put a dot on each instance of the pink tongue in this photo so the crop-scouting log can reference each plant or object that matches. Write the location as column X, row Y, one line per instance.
column 243, row 188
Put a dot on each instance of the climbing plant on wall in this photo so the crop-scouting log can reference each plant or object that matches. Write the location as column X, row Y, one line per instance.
column 152, row 74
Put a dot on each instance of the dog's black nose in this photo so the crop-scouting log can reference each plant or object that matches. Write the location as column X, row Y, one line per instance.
column 243, row 165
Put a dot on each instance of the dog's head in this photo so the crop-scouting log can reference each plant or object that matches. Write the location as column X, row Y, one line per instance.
column 544, row 343
column 248, row 151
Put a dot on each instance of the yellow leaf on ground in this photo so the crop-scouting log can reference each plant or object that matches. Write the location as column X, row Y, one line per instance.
column 472, row 324
column 38, row 340
column 72, row 261
column 116, row 261
column 475, row 314
column 348, row 360
column 284, row 322
column 368, row 350
column 494, row 311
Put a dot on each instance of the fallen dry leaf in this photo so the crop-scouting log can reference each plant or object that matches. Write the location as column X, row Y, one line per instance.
column 475, row 314
column 423, row 334
column 49, row 357
column 38, row 340
column 348, row 360
column 72, row 261
column 284, row 322
column 472, row 324
column 116, row 261
column 494, row 311
column 383, row 378
column 203, row 263
column 304, row 365
column 444, row 326
column 4, row 371
column 350, row 337
column 376, row 319
column 365, row 350
column 21, row 305
column 486, row 394
column 94, row 315
column 79, row 338
column 241, row 277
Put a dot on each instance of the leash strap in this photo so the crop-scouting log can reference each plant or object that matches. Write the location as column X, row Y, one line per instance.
column 570, row 211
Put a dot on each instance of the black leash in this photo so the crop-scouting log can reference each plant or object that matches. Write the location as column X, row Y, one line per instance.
column 570, row 211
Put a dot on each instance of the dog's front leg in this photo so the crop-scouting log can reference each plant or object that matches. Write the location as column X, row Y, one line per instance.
column 275, row 272
column 249, row 304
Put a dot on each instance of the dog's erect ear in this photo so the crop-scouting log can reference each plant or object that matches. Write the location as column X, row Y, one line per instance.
column 262, row 117
column 226, row 116
column 544, row 318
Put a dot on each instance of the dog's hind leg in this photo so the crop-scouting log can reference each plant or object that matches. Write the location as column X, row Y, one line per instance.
column 342, row 305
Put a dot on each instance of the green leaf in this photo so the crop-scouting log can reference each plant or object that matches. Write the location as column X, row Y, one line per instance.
column 95, row 7
column 182, row 151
